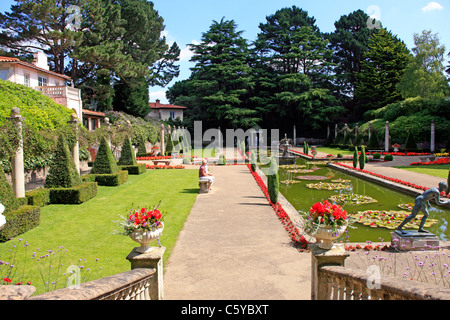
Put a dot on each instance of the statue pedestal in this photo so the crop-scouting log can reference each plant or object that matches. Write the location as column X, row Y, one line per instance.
column 414, row 240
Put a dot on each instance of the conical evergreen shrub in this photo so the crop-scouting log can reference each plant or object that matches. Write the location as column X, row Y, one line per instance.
column 104, row 163
column 355, row 157
column 273, row 181
column 63, row 173
column 362, row 158
column 127, row 156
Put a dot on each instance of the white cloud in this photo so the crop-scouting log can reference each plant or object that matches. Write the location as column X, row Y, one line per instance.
column 431, row 6
column 186, row 53
column 159, row 94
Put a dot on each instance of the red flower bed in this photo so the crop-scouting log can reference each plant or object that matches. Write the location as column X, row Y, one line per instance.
column 152, row 167
column 409, row 184
column 298, row 239
column 405, row 154
column 438, row 161
column 159, row 157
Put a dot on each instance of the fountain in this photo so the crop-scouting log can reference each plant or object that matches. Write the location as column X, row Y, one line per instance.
column 286, row 157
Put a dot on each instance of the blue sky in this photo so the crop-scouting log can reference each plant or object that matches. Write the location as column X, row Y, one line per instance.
column 185, row 21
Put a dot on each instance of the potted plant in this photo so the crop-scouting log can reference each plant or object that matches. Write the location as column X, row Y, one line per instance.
column 326, row 222
column 143, row 226
column 395, row 146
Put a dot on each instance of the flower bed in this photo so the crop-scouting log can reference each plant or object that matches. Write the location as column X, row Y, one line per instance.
column 152, row 167
column 301, row 170
column 404, row 154
column 289, row 182
column 408, row 184
column 298, row 239
column 438, row 161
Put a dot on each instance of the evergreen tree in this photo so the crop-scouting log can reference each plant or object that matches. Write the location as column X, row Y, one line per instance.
column 349, row 42
column 104, row 163
column 131, row 97
column 221, row 77
column 62, row 173
column 382, row 69
column 127, row 155
column 294, row 67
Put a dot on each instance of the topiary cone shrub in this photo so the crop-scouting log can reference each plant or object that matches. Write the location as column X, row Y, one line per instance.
column 127, row 160
column 63, row 181
column 105, row 168
column 62, row 173
column 127, row 155
column 273, row 181
column 104, row 163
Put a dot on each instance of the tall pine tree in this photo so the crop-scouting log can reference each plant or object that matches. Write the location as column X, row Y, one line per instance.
column 382, row 69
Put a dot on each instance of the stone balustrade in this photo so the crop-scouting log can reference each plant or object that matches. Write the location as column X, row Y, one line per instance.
column 331, row 280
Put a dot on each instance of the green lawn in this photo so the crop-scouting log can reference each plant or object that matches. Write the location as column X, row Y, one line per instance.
column 335, row 151
column 440, row 171
column 86, row 231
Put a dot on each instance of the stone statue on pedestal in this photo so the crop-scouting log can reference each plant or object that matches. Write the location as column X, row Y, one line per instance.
column 422, row 203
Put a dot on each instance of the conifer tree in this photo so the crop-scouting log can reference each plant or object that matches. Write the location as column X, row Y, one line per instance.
column 104, row 163
column 62, row 173
column 382, row 69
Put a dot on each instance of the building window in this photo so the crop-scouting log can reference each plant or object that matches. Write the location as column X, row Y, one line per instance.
column 4, row 74
column 172, row 114
column 26, row 80
column 42, row 81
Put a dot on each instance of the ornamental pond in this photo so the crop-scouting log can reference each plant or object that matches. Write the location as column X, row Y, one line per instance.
column 376, row 220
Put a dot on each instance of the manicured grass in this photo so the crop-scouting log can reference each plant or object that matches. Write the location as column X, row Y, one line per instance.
column 86, row 231
column 334, row 151
column 440, row 171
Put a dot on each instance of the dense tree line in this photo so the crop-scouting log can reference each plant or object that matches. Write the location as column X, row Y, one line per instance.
column 293, row 74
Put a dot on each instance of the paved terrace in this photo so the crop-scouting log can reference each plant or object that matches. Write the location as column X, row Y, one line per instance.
column 233, row 247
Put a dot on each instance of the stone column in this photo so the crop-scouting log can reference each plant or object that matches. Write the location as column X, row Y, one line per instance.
column 152, row 260
column 18, row 172
column 386, row 137
column 370, row 130
column 295, row 136
column 335, row 130
column 163, row 146
column 76, row 147
column 320, row 258
column 433, row 137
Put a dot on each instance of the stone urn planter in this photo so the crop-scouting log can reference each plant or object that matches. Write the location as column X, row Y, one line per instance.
column 326, row 235
column 144, row 238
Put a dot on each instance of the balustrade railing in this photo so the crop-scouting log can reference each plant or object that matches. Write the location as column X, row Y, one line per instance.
column 130, row 285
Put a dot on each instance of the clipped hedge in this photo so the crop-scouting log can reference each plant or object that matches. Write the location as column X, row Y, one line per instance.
column 20, row 221
column 7, row 196
column 38, row 197
column 112, row 180
column 76, row 195
column 134, row 169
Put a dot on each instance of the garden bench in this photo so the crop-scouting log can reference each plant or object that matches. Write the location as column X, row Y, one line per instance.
column 203, row 184
column 427, row 158
column 156, row 162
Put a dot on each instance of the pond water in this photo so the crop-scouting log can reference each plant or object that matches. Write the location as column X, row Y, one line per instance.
column 302, row 198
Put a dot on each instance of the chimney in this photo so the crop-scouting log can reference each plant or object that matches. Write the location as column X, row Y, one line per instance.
column 40, row 60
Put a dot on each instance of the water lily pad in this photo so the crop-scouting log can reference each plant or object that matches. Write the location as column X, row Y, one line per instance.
column 341, row 181
column 301, row 171
column 292, row 166
column 327, row 186
column 389, row 219
column 308, row 177
column 289, row 181
column 352, row 198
